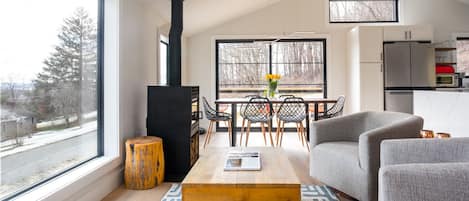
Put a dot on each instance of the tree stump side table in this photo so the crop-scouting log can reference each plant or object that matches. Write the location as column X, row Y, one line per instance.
column 144, row 162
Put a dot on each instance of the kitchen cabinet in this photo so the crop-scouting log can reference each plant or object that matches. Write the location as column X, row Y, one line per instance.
column 371, row 87
column 408, row 33
column 371, row 44
column 365, row 69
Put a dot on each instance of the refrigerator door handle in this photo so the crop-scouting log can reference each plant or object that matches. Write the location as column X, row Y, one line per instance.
column 400, row 91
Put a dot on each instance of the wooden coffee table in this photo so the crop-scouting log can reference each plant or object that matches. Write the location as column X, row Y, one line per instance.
column 207, row 181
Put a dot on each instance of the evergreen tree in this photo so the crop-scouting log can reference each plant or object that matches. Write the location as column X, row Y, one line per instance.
column 67, row 84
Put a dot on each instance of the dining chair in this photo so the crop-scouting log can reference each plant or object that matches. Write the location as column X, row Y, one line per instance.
column 292, row 110
column 282, row 97
column 214, row 116
column 258, row 110
column 335, row 111
column 242, row 107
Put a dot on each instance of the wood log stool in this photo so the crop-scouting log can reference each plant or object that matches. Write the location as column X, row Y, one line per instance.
column 144, row 162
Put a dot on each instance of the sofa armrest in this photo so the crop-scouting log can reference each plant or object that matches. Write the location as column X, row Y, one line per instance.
column 346, row 128
column 429, row 182
column 370, row 141
column 424, row 151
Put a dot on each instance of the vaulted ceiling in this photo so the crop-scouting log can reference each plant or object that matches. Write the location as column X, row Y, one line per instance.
column 202, row 14
column 464, row 1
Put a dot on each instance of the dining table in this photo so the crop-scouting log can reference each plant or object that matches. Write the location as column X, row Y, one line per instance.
column 234, row 102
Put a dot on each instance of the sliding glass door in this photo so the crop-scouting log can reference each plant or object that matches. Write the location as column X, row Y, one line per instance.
column 241, row 66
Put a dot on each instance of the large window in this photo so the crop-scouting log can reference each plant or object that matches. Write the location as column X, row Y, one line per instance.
column 51, row 89
column 242, row 65
column 363, row 11
column 164, row 57
column 462, row 45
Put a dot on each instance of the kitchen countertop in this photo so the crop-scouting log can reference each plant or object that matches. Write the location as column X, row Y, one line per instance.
column 465, row 90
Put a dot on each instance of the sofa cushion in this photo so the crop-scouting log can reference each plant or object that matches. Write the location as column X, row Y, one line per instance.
column 336, row 164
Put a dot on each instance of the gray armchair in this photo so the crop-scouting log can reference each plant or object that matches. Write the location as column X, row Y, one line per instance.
column 424, row 169
column 345, row 151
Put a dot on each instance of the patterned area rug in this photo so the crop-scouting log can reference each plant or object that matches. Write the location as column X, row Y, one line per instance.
column 308, row 193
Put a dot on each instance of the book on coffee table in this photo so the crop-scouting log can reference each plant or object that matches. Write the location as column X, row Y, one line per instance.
column 242, row 161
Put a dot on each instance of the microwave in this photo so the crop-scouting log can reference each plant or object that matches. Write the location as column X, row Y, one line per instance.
column 447, row 80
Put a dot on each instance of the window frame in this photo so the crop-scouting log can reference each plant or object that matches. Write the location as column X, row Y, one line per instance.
column 99, row 107
column 463, row 38
column 323, row 40
column 364, row 22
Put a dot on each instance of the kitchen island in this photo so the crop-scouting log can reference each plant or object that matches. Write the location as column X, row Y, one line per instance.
column 444, row 110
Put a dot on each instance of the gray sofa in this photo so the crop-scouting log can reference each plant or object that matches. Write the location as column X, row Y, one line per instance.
column 345, row 151
column 424, row 169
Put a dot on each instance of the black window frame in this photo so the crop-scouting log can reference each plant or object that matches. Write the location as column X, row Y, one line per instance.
column 364, row 22
column 463, row 38
column 217, row 80
column 99, row 106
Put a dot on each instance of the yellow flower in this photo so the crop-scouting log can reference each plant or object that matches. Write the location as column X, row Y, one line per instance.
column 269, row 77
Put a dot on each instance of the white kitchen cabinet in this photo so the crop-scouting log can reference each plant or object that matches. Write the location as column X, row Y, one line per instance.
column 395, row 33
column 371, row 87
column 408, row 33
column 365, row 76
column 371, row 44
column 421, row 33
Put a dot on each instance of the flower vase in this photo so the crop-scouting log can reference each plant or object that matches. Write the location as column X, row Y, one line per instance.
column 272, row 90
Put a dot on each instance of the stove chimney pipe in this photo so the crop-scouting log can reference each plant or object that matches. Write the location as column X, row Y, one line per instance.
column 175, row 34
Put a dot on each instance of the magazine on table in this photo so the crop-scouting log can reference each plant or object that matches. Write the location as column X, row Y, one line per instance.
column 243, row 160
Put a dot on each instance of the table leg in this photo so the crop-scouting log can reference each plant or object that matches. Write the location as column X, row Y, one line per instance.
column 307, row 122
column 233, row 124
column 316, row 111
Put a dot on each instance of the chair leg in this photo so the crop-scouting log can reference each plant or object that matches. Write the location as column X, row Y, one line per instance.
column 278, row 133
column 300, row 133
column 229, row 132
column 247, row 132
column 208, row 133
column 304, row 135
column 269, row 124
column 241, row 133
column 281, row 134
column 263, row 133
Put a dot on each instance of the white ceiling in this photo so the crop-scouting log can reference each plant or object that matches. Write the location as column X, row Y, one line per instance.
column 464, row 1
column 202, row 14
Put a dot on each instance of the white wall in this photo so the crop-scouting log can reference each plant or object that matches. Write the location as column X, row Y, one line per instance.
column 285, row 17
column 446, row 16
column 289, row 16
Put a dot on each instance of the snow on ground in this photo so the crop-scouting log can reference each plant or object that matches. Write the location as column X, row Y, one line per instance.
column 42, row 138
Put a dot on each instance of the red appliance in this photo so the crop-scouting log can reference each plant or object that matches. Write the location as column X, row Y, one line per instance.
column 444, row 70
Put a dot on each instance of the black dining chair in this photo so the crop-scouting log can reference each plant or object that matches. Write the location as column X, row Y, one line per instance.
column 259, row 110
column 214, row 116
column 282, row 97
column 242, row 107
column 292, row 110
column 335, row 111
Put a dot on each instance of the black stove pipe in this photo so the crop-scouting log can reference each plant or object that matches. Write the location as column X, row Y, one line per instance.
column 175, row 34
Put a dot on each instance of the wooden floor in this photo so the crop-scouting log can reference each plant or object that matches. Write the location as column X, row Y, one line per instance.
column 297, row 154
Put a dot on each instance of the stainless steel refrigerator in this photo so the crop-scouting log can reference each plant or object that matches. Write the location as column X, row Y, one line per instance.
column 408, row 66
